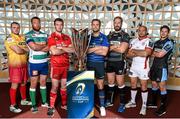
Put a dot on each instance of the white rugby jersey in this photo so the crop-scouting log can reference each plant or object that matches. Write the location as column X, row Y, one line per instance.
column 141, row 45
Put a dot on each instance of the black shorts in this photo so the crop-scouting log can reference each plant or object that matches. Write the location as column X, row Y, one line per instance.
column 119, row 67
column 98, row 67
column 158, row 74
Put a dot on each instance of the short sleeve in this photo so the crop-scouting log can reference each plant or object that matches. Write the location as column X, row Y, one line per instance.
column 51, row 41
column 29, row 39
column 149, row 44
column 125, row 38
column 68, row 40
column 168, row 46
column 105, row 41
column 10, row 42
column 131, row 42
column 109, row 36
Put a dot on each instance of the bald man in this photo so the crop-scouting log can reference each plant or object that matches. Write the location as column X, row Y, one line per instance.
column 140, row 50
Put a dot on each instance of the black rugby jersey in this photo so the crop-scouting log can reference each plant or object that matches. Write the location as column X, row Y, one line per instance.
column 117, row 38
column 167, row 46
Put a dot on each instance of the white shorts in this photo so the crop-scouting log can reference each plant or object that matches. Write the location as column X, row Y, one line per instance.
column 141, row 73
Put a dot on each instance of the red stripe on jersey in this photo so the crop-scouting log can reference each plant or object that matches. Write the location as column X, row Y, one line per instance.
column 142, row 38
column 145, row 63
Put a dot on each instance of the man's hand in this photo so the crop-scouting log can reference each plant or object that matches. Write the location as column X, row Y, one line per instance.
column 91, row 50
column 130, row 53
column 101, row 50
column 120, row 48
column 36, row 47
column 25, row 48
column 112, row 47
column 46, row 49
column 142, row 53
column 69, row 49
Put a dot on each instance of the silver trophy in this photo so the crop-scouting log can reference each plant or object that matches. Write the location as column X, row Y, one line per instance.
column 80, row 42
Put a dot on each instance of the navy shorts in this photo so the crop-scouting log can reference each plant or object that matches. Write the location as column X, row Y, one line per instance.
column 98, row 67
column 38, row 69
column 158, row 74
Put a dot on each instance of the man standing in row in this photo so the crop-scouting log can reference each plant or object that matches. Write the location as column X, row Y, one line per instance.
column 159, row 70
column 140, row 50
column 17, row 61
column 38, row 62
column 116, row 65
column 95, row 60
column 59, row 45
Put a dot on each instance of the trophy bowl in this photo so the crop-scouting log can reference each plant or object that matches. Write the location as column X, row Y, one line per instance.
column 80, row 42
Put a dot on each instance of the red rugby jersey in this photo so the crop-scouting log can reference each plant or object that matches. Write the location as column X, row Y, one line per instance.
column 59, row 40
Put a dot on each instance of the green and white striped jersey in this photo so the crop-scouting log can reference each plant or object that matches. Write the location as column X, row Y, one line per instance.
column 38, row 38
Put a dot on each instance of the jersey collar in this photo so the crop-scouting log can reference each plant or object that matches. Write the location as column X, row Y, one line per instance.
column 142, row 38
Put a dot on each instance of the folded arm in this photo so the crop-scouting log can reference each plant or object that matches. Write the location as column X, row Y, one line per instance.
column 56, row 51
column 121, row 48
column 142, row 53
column 19, row 50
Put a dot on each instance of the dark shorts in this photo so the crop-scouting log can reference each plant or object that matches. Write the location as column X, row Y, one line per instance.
column 38, row 69
column 158, row 74
column 119, row 67
column 98, row 67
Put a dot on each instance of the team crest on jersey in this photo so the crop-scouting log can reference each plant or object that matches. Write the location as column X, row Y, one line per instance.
column 101, row 40
column 110, row 35
column 143, row 43
column 65, row 38
column 119, row 38
column 56, row 38
column 9, row 39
